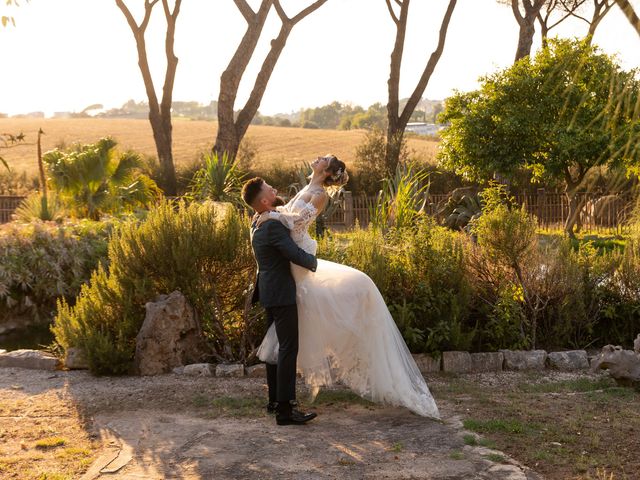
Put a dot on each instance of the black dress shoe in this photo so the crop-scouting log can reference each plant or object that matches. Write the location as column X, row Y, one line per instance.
column 296, row 417
column 272, row 407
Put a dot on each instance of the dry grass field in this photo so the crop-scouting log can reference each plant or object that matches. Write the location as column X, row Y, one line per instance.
column 274, row 144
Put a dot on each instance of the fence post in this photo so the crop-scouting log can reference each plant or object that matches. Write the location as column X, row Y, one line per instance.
column 348, row 210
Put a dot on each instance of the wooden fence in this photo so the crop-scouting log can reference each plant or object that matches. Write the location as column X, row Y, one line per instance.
column 599, row 212
column 8, row 205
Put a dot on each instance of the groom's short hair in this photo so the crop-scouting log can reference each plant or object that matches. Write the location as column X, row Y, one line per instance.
column 251, row 189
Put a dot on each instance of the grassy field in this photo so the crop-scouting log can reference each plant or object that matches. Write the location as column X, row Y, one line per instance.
column 274, row 144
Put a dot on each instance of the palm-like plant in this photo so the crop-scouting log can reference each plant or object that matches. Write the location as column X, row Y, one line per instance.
column 95, row 179
column 219, row 179
column 401, row 199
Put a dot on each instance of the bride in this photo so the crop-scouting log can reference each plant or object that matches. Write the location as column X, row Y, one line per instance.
column 346, row 333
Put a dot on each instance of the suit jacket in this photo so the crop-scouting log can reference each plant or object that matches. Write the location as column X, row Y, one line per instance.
column 274, row 249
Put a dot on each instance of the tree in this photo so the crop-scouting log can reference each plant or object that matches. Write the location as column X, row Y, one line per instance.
column 232, row 127
column 600, row 9
column 630, row 13
column 397, row 121
column 564, row 8
column 526, row 12
column 159, row 111
column 558, row 115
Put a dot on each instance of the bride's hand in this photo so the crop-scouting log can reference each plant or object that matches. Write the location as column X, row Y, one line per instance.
column 263, row 217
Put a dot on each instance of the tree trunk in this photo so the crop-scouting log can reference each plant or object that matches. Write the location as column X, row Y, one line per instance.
column 527, row 23
column 163, row 136
column 397, row 122
column 575, row 207
column 159, row 112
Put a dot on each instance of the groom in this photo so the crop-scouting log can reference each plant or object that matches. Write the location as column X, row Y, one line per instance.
column 276, row 291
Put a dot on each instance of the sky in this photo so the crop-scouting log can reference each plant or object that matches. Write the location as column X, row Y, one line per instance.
column 64, row 55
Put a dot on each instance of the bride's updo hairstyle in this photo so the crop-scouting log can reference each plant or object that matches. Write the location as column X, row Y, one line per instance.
column 337, row 170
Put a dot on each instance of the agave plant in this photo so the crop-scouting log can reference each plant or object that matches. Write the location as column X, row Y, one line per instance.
column 95, row 179
column 37, row 207
column 401, row 199
column 219, row 179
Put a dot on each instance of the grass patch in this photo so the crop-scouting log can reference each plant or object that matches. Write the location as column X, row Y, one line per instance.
column 500, row 426
column 331, row 397
column 495, row 457
column 53, row 476
column 397, row 447
column 457, row 455
column 470, row 440
column 577, row 385
column 237, row 406
column 51, row 442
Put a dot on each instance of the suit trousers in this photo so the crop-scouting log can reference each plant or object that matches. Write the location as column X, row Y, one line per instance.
column 281, row 378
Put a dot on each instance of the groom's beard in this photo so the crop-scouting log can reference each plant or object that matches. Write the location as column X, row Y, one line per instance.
column 278, row 202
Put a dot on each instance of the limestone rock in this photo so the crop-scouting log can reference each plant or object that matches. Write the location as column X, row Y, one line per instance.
column 524, row 359
column 257, row 371
column 571, row 360
column 2, row 350
column 169, row 337
column 75, row 359
column 456, row 362
column 230, row 370
column 487, row 361
column 636, row 344
column 426, row 363
column 199, row 370
column 623, row 365
column 32, row 359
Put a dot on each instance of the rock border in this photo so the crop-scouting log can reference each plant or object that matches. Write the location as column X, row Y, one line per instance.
column 449, row 362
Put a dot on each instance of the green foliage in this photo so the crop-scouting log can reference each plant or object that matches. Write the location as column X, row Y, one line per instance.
column 92, row 180
column 219, row 179
column 201, row 250
column 569, row 107
column 371, row 161
column 40, row 262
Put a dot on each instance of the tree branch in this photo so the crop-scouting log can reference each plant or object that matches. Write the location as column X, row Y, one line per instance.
column 630, row 13
column 391, row 12
column 310, row 9
column 431, row 65
column 515, row 6
column 245, row 10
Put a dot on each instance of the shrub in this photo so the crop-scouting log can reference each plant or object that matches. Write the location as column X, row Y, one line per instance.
column 95, row 179
column 40, row 262
column 201, row 250
column 219, row 179
column 35, row 207
column 371, row 162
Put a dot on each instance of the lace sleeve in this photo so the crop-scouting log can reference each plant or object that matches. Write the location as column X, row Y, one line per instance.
column 298, row 219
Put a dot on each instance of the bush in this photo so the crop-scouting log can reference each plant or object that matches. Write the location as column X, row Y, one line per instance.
column 40, row 262
column 201, row 250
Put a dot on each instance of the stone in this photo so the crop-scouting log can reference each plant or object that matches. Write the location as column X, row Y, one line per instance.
column 2, row 351
column 199, row 370
column 571, row 360
column 524, row 359
column 623, row 365
column 487, row 361
column 426, row 363
column 32, row 359
column 75, row 359
column 257, row 371
column 456, row 362
column 230, row 370
column 170, row 336
column 178, row 370
column 636, row 344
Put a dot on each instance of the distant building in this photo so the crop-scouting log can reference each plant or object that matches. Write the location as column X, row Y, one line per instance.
column 62, row 115
column 29, row 115
column 422, row 128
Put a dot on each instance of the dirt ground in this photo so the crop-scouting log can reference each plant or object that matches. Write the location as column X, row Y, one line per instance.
column 63, row 425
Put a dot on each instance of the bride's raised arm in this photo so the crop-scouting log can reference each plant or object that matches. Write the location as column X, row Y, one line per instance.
column 295, row 214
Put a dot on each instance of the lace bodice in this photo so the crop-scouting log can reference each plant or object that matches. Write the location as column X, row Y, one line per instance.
column 297, row 215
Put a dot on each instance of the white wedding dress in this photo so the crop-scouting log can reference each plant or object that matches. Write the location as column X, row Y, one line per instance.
column 346, row 333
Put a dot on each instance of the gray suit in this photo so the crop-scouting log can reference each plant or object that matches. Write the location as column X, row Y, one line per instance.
column 276, row 290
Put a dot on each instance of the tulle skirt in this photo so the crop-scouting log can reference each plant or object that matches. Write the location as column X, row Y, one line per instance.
column 347, row 336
